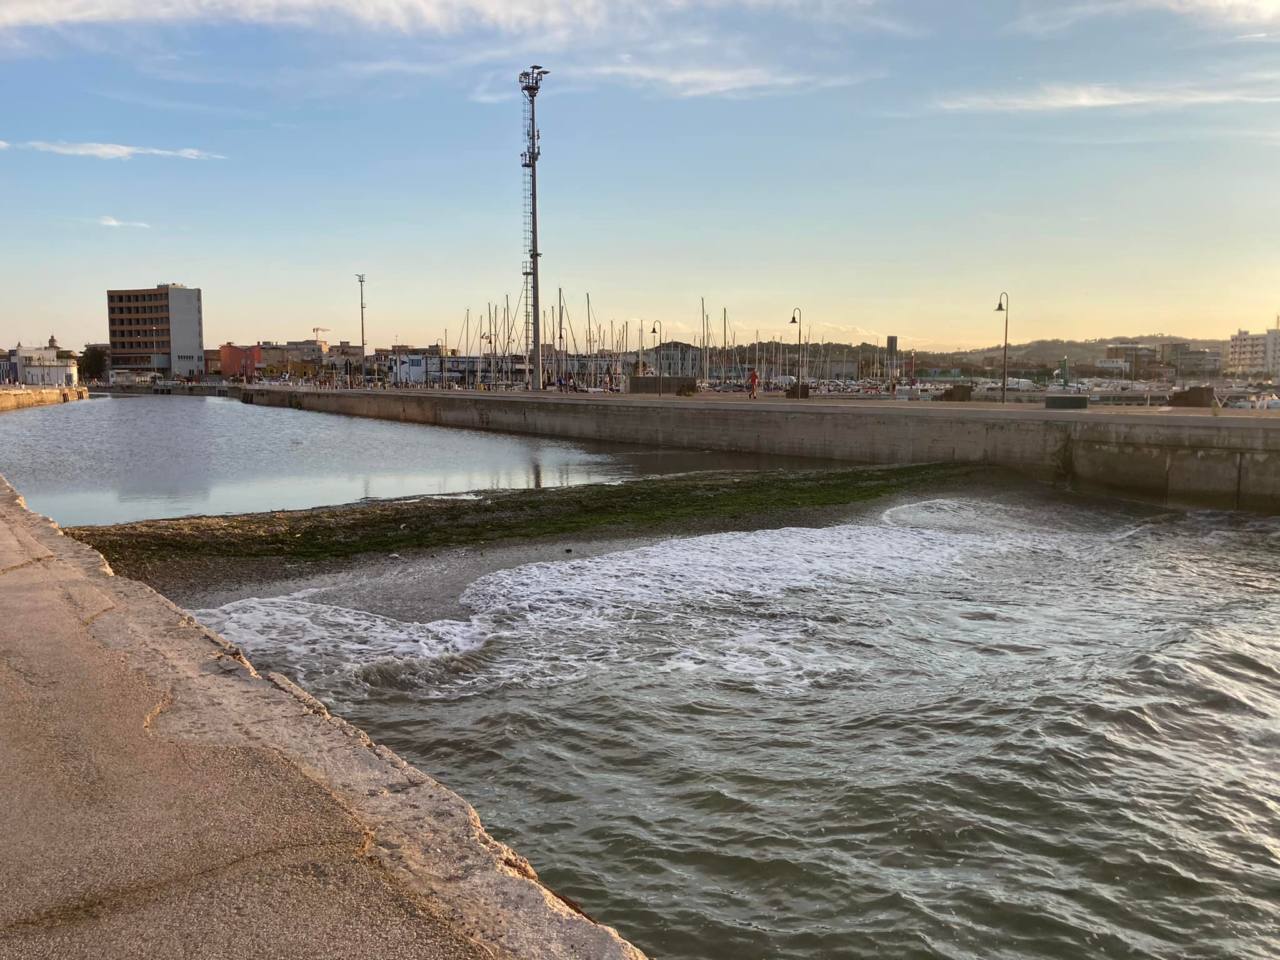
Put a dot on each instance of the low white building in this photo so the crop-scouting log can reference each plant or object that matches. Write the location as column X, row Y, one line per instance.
column 1251, row 353
column 42, row 367
column 1113, row 365
column 411, row 368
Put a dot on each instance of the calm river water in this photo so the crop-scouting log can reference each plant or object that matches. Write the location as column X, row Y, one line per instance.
column 118, row 459
column 1008, row 726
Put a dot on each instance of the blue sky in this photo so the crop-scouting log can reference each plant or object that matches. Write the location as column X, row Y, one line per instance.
column 890, row 166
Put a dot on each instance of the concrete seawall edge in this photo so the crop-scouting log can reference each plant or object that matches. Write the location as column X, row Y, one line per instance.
column 20, row 398
column 1179, row 460
column 424, row 836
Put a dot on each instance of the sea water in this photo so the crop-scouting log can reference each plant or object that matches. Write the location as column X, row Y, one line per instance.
column 1014, row 726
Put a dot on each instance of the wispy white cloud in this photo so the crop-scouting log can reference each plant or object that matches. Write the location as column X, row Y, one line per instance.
column 410, row 15
column 705, row 81
column 1101, row 96
column 116, row 151
column 1236, row 11
column 113, row 222
column 1047, row 16
column 679, row 48
column 689, row 63
column 376, row 68
column 653, row 69
column 4, row 145
column 587, row 38
column 179, row 106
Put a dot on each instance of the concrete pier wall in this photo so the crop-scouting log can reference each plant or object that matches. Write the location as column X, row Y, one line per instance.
column 20, row 398
column 164, row 799
column 1183, row 459
column 167, row 389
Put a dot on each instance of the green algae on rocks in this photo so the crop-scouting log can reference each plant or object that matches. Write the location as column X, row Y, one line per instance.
column 678, row 504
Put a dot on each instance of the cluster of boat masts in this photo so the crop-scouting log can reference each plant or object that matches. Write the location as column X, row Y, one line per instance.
column 492, row 352
column 591, row 354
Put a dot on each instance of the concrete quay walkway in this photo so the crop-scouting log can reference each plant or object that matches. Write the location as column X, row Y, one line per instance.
column 159, row 798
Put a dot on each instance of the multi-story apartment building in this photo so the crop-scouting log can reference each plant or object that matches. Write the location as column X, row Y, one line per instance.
column 157, row 330
column 1140, row 359
column 1251, row 353
column 1181, row 362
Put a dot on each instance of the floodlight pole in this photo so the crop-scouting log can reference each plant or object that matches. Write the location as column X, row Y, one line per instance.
column 530, row 85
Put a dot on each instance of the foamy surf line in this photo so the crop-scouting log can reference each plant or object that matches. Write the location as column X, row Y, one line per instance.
column 747, row 605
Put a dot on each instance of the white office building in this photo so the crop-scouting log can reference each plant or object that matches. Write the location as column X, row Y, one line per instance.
column 157, row 331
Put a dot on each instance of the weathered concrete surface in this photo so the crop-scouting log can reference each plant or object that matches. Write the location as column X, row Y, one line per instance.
column 19, row 398
column 160, row 799
column 1183, row 458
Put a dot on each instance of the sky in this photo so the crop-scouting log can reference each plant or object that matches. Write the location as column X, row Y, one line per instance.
column 888, row 166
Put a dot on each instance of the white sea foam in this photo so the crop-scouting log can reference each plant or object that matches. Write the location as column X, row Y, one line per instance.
column 312, row 640
column 775, row 607
column 809, row 704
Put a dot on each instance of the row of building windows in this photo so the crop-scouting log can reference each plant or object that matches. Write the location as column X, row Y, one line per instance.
column 138, row 298
column 158, row 308
column 140, row 345
column 140, row 324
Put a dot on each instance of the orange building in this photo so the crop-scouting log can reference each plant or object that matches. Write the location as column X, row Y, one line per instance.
column 239, row 363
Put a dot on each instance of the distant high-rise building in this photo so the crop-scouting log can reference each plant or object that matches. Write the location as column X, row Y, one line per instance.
column 1251, row 353
column 157, row 330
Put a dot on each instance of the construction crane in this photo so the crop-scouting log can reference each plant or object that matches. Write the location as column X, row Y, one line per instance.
column 316, row 331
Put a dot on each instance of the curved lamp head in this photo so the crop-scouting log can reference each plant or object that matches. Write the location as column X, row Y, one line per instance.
column 1000, row 307
column 655, row 329
column 793, row 319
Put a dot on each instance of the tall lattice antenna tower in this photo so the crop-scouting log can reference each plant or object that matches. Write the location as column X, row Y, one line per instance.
column 530, row 85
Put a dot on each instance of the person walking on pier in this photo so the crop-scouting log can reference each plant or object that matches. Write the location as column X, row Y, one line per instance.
column 754, row 380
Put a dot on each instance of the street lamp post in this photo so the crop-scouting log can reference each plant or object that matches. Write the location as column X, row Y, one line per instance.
column 1002, row 306
column 363, row 383
column 484, row 337
column 797, row 318
column 657, row 356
